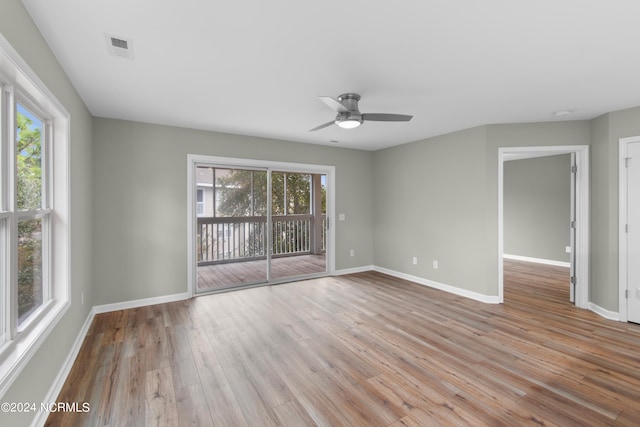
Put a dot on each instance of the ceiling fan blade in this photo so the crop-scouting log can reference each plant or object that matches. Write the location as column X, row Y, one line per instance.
column 386, row 117
column 323, row 126
column 334, row 104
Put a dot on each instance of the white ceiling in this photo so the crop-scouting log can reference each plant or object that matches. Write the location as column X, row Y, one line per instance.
column 256, row 67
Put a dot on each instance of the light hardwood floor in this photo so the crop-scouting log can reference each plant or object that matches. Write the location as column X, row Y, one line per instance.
column 360, row 350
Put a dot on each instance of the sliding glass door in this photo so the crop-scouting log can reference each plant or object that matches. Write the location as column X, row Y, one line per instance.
column 255, row 226
column 298, row 212
column 231, row 210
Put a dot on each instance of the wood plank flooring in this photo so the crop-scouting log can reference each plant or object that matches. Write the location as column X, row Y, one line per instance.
column 360, row 350
column 226, row 275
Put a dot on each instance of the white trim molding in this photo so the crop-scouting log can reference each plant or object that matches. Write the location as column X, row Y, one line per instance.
column 124, row 305
column 607, row 314
column 488, row 299
column 538, row 260
column 55, row 389
column 354, row 270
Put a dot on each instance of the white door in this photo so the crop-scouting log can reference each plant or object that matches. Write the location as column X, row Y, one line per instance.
column 633, row 232
column 572, row 231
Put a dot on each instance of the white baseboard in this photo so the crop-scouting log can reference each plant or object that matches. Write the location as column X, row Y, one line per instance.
column 488, row 299
column 51, row 396
column 354, row 270
column 105, row 308
column 538, row 260
column 611, row 315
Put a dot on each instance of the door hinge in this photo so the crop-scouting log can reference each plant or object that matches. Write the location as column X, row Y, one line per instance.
column 626, row 228
column 573, row 224
column 573, row 280
column 574, row 169
column 626, row 294
column 627, row 161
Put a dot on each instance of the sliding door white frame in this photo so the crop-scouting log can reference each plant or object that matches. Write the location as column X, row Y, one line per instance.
column 194, row 159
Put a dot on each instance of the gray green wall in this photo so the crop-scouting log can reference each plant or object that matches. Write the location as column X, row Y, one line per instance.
column 140, row 204
column 537, row 207
column 36, row 379
column 437, row 199
column 430, row 203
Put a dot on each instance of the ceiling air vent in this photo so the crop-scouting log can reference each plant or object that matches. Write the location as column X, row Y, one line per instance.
column 119, row 46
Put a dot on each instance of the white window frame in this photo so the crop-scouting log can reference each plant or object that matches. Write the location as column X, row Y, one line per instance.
column 19, row 343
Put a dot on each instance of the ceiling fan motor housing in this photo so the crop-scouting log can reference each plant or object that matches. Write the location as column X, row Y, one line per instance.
column 350, row 101
column 351, row 118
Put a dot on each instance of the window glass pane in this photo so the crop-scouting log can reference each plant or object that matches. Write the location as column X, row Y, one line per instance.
column 277, row 193
column 259, row 193
column 28, row 160
column 235, row 192
column 298, row 194
column 323, row 182
column 30, row 290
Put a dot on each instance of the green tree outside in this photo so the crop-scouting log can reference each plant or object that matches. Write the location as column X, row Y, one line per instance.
column 29, row 197
column 244, row 193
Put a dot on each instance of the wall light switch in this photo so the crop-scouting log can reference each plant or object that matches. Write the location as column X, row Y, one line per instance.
column 435, row 264
column 341, row 217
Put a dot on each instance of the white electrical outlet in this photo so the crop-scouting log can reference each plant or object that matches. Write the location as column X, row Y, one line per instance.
column 567, row 249
column 352, row 252
column 341, row 217
column 415, row 260
column 435, row 264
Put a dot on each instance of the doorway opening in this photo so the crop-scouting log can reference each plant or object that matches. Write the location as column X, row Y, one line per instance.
column 578, row 226
column 255, row 222
column 537, row 212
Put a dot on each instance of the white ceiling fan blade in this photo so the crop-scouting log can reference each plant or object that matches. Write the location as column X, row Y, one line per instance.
column 334, row 104
column 322, row 126
column 379, row 117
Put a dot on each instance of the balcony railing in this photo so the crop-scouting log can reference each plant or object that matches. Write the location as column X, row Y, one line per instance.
column 229, row 239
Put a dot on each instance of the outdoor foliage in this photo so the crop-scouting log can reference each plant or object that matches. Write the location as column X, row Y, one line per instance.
column 242, row 193
column 29, row 197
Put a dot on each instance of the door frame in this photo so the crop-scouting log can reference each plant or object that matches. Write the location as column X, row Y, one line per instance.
column 194, row 159
column 622, row 221
column 581, row 213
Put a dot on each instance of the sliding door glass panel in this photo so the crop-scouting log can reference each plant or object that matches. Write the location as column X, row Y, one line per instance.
column 231, row 231
column 298, row 226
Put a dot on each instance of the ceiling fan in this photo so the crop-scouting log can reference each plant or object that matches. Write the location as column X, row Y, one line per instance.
column 350, row 117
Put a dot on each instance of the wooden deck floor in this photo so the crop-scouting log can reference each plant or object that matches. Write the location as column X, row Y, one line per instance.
column 220, row 276
column 360, row 350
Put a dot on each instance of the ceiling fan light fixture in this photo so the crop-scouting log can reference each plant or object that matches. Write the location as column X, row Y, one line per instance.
column 349, row 123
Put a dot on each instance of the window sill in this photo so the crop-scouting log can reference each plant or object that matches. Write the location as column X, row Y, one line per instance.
column 16, row 354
